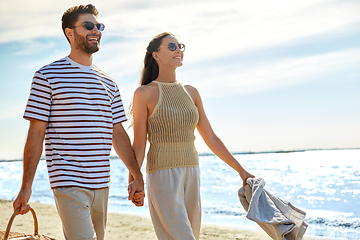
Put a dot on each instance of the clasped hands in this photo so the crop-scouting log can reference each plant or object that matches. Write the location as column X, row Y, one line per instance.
column 136, row 195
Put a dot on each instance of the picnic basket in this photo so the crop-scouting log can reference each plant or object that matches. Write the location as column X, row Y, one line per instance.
column 22, row 236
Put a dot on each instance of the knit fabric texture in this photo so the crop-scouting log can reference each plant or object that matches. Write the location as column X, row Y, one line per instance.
column 170, row 129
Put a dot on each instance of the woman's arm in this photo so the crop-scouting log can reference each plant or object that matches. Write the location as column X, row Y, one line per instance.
column 139, row 111
column 122, row 146
column 212, row 141
column 140, row 115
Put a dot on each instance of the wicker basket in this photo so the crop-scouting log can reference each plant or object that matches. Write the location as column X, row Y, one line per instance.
column 22, row 236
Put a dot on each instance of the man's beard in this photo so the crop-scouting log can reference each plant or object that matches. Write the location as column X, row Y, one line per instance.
column 84, row 46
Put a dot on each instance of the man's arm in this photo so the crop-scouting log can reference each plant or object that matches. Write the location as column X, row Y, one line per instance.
column 122, row 146
column 32, row 154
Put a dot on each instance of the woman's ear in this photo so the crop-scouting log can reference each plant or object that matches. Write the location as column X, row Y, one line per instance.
column 155, row 55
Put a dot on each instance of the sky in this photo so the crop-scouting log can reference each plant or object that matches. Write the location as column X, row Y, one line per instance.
column 273, row 75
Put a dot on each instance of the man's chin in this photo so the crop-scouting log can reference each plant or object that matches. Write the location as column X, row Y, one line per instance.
column 92, row 50
column 96, row 50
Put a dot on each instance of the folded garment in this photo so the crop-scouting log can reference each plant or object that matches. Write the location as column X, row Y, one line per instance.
column 279, row 219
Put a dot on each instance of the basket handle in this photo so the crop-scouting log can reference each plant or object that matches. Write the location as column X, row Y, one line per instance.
column 36, row 225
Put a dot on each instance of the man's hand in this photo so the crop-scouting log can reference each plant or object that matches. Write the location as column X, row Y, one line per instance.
column 138, row 199
column 22, row 201
column 124, row 150
column 136, row 193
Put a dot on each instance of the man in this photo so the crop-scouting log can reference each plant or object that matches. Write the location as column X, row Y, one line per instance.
column 78, row 109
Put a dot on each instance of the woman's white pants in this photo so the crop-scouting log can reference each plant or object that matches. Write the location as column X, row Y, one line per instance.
column 174, row 203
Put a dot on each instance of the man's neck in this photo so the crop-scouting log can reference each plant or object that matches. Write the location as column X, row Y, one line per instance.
column 81, row 58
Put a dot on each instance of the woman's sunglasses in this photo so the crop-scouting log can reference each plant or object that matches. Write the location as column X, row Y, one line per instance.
column 172, row 46
column 90, row 26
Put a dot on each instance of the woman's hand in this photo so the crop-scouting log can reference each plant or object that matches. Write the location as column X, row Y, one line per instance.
column 245, row 175
column 136, row 197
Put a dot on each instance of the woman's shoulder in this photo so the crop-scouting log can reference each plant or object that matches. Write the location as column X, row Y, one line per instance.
column 193, row 92
column 191, row 89
column 146, row 90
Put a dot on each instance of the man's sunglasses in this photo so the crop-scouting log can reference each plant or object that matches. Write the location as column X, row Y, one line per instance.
column 172, row 46
column 90, row 26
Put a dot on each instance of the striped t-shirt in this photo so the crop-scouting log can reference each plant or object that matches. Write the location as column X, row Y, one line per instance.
column 80, row 105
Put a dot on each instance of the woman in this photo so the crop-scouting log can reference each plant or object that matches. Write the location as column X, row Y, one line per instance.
column 167, row 113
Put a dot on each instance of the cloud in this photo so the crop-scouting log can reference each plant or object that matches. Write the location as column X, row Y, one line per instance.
column 214, row 29
column 234, row 24
column 27, row 19
column 231, row 79
column 216, row 34
column 32, row 46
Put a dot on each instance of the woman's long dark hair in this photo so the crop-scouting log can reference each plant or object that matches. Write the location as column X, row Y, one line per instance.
column 151, row 69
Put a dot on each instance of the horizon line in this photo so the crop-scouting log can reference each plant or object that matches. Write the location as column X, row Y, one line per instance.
column 233, row 153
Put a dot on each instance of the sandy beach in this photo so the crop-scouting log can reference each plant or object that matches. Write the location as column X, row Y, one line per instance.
column 119, row 226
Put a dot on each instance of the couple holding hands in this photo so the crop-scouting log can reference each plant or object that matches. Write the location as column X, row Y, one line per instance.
column 78, row 110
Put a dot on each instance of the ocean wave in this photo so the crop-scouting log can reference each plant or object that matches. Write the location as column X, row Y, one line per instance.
column 340, row 222
column 222, row 212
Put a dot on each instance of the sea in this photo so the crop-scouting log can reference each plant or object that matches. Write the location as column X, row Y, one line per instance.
column 323, row 183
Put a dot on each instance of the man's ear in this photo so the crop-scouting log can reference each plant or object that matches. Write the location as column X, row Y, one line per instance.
column 69, row 33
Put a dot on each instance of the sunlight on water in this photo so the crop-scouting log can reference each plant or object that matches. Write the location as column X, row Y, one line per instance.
column 325, row 184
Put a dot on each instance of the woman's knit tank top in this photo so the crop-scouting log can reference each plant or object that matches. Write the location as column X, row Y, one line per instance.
column 170, row 129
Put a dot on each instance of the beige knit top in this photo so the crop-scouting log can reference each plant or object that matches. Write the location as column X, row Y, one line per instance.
column 170, row 129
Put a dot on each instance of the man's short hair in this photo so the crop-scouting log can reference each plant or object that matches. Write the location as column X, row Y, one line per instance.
column 70, row 17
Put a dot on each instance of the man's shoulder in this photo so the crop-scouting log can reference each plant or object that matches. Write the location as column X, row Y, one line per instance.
column 61, row 63
column 106, row 77
column 99, row 71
